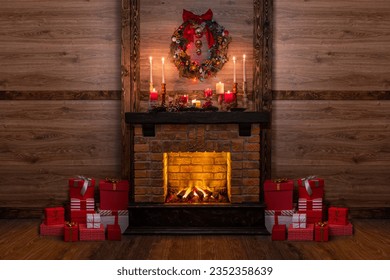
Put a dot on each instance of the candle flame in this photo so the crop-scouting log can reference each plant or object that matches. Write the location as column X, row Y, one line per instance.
column 234, row 58
column 162, row 59
column 244, row 56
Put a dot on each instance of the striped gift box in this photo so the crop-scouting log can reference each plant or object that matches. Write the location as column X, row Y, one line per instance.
column 113, row 212
column 51, row 230
column 301, row 234
column 298, row 220
column 338, row 230
column 82, row 204
column 309, row 204
column 281, row 217
column 91, row 234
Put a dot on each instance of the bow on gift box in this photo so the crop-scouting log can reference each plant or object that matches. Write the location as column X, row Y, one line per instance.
column 70, row 225
column 322, row 226
column 307, row 183
column 87, row 182
column 279, row 181
column 189, row 30
column 113, row 182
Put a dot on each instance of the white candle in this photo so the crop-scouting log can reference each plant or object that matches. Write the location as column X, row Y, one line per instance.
column 220, row 88
column 234, row 69
column 162, row 71
column 243, row 68
column 150, row 73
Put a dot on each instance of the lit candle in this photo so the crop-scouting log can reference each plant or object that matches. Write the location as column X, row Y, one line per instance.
column 162, row 71
column 184, row 99
column 150, row 73
column 228, row 97
column 153, row 95
column 196, row 103
column 208, row 92
column 243, row 68
column 220, row 88
column 234, row 69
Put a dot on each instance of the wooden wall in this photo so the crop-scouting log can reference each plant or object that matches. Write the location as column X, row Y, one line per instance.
column 60, row 96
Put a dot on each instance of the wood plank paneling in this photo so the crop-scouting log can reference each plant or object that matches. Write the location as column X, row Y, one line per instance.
column 70, row 45
column 331, row 45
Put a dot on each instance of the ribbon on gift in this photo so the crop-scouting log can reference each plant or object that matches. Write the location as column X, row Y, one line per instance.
column 322, row 229
column 276, row 214
column 279, row 181
column 307, row 183
column 86, row 183
column 113, row 182
column 115, row 213
column 189, row 32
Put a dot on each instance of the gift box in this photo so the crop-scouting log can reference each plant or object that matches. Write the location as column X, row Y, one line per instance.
column 279, row 232
column 313, row 216
column 321, row 232
column 54, row 215
column 91, row 234
column 278, row 194
column 93, row 220
column 338, row 215
column 114, row 194
column 298, row 220
column 114, row 232
column 82, row 204
column 51, row 230
column 337, row 230
column 282, row 217
column 80, row 216
column 81, row 187
column 120, row 217
column 71, row 232
column 310, row 204
column 300, row 234
column 311, row 187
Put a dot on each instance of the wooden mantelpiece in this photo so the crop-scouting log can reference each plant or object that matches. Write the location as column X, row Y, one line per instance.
column 243, row 119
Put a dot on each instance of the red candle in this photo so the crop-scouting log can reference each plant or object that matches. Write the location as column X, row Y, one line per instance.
column 228, row 97
column 184, row 99
column 153, row 95
column 208, row 92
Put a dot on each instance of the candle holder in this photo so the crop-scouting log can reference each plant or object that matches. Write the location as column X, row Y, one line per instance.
column 245, row 96
column 235, row 86
column 163, row 94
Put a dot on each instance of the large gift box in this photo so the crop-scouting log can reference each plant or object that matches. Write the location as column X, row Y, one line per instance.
column 279, row 232
column 82, row 204
column 54, row 216
column 278, row 194
column 299, row 220
column 300, row 234
column 321, row 232
column 114, row 194
column 93, row 220
column 114, row 232
column 81, row 187
column 335, row 230
column 51, row 230
column 71, row 232
column 338, row 215
column 91, row 234
column 278, row 217
column 110, row 217
column 311, row 187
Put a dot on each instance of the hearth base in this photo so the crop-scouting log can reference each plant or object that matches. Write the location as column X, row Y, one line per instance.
column 247, row 219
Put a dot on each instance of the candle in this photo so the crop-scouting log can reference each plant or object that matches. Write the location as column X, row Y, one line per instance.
column 243, row 68
column 153, row 96
column 151, row 73
column 162, row 71
column 184, row 99
column 196, row 103
column 228, row 97
column 234, row 69
column 220, row 88
column 208, row 92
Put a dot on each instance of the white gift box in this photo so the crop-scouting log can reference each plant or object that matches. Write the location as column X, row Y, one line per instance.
column 299, row 220
column 284, row 217
column 93, row 220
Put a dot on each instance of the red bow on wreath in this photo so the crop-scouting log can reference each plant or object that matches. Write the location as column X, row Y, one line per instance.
column 189, row 31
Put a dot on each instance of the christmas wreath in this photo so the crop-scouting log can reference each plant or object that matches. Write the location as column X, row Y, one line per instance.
column 199, row 46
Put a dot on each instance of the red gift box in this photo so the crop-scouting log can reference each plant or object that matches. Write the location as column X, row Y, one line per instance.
column 91, row 234
column 71, row 232
column 321, row 232
column 335, row 230
column 311, row 187
column 114, row 232
column 54, row 216
column 310, row 204
column 81, row 187
column 51, row 230
column 279, row 232
column 278, row 194
column 313, row 216
column 338, row 215
column 300, row 234
column 114, row 194
column 80, row 216
column 82, row 204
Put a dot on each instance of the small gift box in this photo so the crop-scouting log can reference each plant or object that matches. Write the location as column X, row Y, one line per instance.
column 278, row 217
column 321, row 232
column 300, row 234
column 114, row 232
column 338, row 215
column 278, row 194
column 114, row 194
column 91, row 234
column 54, row 215
column 71, row 232
column 81, row 187
column 279, row 232
column 311, row 187
column 337, row 230
column 298, row 220
column 93, row 220
column 51, row 230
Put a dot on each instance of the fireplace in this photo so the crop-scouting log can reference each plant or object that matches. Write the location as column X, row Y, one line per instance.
column 196, row 172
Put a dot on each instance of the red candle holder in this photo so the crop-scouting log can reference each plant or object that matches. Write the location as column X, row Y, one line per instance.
column 153, row 95
column 183, row 99
column 208, row 93
column 228, row 97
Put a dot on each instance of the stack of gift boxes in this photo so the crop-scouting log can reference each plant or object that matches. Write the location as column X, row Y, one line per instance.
column 303, row 221
column 87, row 222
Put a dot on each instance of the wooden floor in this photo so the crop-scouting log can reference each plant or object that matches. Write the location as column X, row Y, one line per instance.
column 20, row 240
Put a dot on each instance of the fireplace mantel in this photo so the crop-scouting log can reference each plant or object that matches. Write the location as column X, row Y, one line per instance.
column 243, row 119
